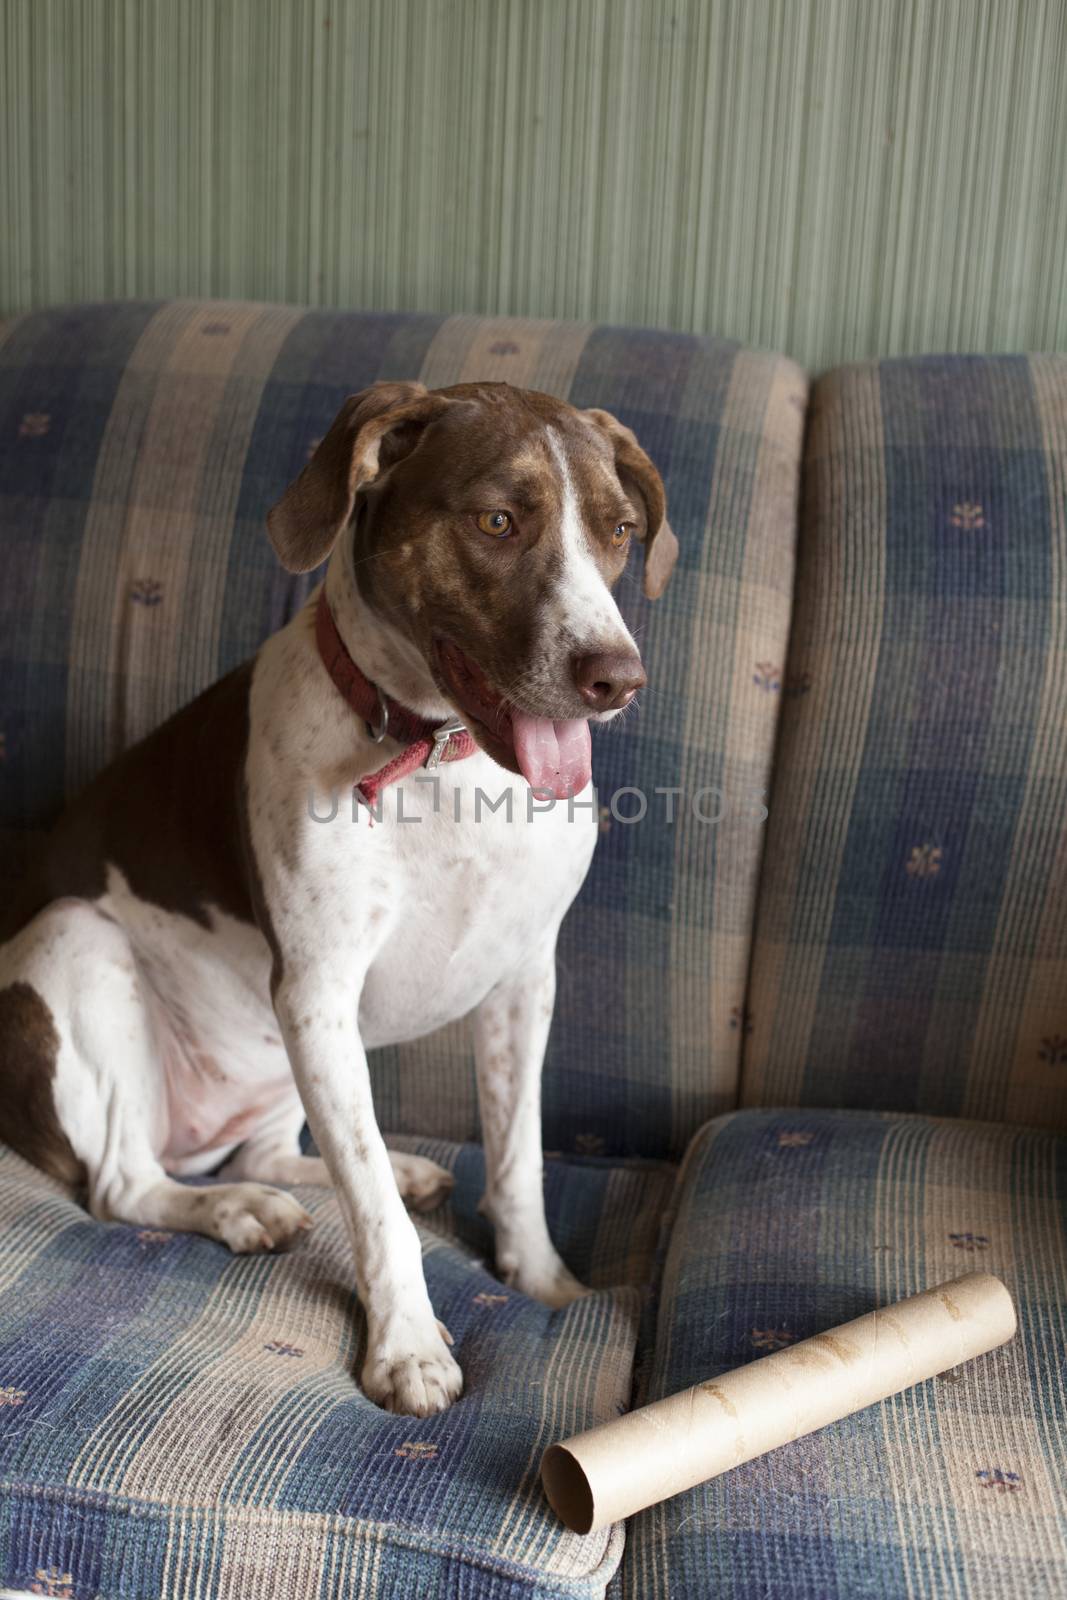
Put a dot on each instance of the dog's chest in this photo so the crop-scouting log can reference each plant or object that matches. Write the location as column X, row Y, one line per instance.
column 465, row 894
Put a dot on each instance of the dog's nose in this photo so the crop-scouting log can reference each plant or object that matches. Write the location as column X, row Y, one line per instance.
column 609, row 680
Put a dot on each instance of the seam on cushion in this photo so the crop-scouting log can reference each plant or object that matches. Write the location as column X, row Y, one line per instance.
column 783, row 364
column 648, row 1336
column 775, row 771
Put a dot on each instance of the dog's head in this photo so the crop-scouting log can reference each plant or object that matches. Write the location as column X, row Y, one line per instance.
column 489, row 525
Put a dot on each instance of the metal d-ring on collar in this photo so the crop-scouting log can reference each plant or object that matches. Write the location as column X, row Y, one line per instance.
column 380, row 728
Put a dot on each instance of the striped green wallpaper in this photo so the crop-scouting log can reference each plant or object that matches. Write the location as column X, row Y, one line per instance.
column 835, row 178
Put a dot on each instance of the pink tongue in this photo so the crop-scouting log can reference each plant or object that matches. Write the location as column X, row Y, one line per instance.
column 556, row 756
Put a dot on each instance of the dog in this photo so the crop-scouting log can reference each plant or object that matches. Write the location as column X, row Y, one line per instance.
column 205, row 951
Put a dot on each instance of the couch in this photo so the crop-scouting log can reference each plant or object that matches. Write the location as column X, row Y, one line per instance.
column 810, row 1051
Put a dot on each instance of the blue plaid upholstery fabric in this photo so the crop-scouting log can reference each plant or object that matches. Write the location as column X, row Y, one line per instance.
column 140, row 448
column 912, row 936
column 789, row 1222
column 178, row 1421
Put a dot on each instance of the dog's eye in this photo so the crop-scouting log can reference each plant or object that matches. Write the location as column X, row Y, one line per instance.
column 495, row 523
column 620, row 534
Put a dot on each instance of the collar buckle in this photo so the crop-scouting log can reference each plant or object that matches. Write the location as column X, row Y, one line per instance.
column 441, row 736
column 380, row 726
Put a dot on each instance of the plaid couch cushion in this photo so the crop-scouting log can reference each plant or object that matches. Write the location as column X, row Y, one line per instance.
column 140, row 446
column 176, row 1421
column 912, row 936
column 790, row 1222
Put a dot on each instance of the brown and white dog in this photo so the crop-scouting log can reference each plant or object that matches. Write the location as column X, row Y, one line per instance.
column 199, row 963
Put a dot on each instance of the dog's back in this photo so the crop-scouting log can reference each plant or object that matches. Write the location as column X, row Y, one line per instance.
column 167, row 813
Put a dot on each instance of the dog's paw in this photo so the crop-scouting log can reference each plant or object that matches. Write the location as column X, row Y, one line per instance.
column 546, row 1278
column 423, row 1184
column 251, row 1217
column 412, row 1372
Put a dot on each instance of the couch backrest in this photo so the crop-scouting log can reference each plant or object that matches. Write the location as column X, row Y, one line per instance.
column 140, row 446
column 912, row 931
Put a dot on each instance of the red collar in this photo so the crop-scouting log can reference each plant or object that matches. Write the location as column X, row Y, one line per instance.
column 427, row 744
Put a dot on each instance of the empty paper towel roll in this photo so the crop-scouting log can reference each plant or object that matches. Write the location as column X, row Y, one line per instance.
column 619, row 1468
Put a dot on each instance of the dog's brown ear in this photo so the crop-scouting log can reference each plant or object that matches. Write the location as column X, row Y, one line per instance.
column 371, row 432
column 637, row 472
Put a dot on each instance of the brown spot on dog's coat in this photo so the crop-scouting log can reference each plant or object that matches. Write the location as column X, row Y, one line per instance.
column 169, row 814
column 29, row 1047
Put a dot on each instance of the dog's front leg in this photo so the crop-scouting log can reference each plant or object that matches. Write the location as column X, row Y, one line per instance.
column 408, row 1367
column 510, row 1034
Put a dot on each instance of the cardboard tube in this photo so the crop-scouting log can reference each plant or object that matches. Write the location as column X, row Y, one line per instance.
column 648, row 1455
